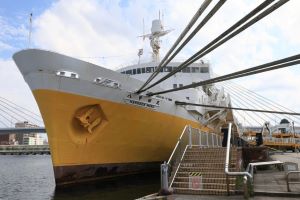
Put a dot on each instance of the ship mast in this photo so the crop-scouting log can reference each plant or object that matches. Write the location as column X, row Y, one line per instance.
column 157, row 31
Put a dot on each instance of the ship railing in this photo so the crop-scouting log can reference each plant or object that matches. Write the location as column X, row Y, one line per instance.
column 275, row 140
column 295, row 175
column 190, row 137
column 247, row 177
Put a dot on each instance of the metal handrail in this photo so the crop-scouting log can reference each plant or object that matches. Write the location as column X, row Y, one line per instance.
column 252, row 165
column 178, row 166
column 227, row 172
column 186, row 140
column 186, row 126
column 287, row 179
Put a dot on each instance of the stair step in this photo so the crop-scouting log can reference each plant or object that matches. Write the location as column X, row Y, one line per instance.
column 207, row 180
column 203, row 160
column 215, row 186
column 202, row 192
column 206, row 169
column 204, row 174
column 210, row 162
column 210, row 152
column 212, row 148
column 214, row 165
column 207, row 156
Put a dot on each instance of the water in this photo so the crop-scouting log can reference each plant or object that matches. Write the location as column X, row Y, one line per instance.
column 31, row 177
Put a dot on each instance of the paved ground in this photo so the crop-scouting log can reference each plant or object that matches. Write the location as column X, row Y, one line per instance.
column 287, row 157
column 268, row 184
column 194, row 197
column 274, row 181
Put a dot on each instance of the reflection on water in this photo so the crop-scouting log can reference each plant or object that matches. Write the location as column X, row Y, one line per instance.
column 31, row 177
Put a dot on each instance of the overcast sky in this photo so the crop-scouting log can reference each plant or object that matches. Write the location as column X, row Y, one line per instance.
column 105, row 32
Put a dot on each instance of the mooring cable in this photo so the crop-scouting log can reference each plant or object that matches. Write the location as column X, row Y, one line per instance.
column 235, row 108
column 247, row 72
column 213, row 45
column 162, row 64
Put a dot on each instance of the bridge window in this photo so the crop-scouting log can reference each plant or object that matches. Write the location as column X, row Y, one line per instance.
column 165, row 69
column 149, row 69
column 168, row 69
column 174, row 86
column 195, row 69
column 186, row 70
column 180, row 85
column 204, row 70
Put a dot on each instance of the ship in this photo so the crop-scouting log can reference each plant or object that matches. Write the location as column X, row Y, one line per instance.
column 99, row 127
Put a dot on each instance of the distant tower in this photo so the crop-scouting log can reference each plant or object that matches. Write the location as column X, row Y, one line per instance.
column 157, row 31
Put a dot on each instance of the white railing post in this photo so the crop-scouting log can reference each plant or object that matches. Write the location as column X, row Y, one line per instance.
column 213, row 139
column 207, row 139
column 199, row 132
column 190, row 137
column 217, row 139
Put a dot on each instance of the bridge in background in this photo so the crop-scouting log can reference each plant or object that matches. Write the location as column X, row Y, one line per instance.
column 5, row 131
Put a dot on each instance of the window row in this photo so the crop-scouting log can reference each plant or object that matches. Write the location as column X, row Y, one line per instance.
column 165, row 69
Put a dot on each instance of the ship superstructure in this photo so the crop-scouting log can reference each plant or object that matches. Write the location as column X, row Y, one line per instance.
column 99, row 127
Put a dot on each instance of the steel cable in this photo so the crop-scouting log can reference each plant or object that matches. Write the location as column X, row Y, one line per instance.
column 213, row 45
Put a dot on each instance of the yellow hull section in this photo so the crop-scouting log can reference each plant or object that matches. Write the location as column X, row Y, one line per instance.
column 120, row 133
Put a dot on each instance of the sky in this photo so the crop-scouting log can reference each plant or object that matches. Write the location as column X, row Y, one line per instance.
column 105, row 32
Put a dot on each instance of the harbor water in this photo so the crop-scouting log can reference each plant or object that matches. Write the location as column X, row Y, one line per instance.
column 30, row 177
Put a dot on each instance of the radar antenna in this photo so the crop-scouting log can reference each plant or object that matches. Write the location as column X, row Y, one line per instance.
column 157, row 31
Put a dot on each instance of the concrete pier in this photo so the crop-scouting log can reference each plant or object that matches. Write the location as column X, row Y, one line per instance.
column 24, row 149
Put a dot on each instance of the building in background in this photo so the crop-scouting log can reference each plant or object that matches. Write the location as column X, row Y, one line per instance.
column 8, row 139
column 22, row 139
column 33, row 140
column 29, row 138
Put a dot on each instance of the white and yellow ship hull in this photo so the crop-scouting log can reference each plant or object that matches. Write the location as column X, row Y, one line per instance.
column 96, row 131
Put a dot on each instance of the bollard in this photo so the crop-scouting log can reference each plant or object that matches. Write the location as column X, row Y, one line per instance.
column 164, row 179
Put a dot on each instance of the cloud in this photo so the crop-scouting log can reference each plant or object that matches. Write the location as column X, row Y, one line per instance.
column 14, row 88
column 5, row 46
column 105, row 32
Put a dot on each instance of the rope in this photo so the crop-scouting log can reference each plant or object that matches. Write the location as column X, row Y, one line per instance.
column 162, row 64
column 233, row 108
column 247, row 72
column 213, row 45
